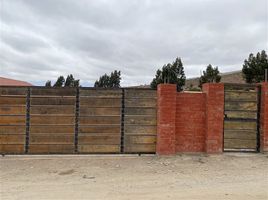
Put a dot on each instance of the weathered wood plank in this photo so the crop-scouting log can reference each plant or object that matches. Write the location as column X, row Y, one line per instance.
column 100, row 102
column 12, row 139
column 238, row 125
column 53, row 101
column 16, row 129
column 98, row 148
column 12, row 110
column 51, row 148
column 137, row 129
column 134, row 139
column 140, row 148
column 140, row 120
column 53, row 91
column 39, row 119
column 239, row 144
column 12, row 120
column 103, row 139
column 99, row 120
column 241, row 114
column 115, row 93
column 238, row 134
column 11, row 148
column 86, row 111
column 13, row 91
column 240, row 95
column 140, row 111
column 52, row 129
column 237, row 105
column 12, row 100
column 100, row 129
column 51, row 139
column 132, row 93
column 140, row 102
column 53, row 110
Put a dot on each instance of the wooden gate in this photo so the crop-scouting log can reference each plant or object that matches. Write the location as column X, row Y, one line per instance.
column 241, row 121
column 77, row 120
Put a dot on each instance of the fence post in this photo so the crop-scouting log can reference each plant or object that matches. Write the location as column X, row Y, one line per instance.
column 28, row 106
column 166, row 116
column 264, row 118
column 214, row 116
column 76, row 130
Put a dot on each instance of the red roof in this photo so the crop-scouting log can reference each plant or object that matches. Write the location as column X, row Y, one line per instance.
column 12, row 82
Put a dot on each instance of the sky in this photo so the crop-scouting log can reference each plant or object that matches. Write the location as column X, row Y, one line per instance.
column 43, row 39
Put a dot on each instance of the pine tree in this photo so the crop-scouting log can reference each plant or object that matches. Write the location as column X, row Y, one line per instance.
column 210, row 75
column 60, row 82
column 254, row 67
column 48, row 83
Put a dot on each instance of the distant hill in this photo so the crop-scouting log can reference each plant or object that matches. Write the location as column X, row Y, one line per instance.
column 228, row 77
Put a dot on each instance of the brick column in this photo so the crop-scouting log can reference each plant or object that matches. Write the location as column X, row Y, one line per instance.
column 166, row 116
column 264, row 118
column 214, row 116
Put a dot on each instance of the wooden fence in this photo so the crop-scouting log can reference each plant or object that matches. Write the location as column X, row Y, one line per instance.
column 77, row 120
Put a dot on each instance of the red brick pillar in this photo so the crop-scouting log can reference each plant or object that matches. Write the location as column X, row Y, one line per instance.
column 214, row 116
column 264, row 118
column 166, row 116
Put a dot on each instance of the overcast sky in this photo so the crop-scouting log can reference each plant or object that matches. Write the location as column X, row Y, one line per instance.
column 42, row 39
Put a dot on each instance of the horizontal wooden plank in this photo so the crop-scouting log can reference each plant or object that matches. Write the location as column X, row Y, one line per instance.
column 51, row 139
column 140, row 111
column 12, row 148
column 99, row 120
column 241, row 114
column 240, row 134
column 115, row 93
column 98, row 148
column 12, row 110
column 53, row 101
column 52, row 129
column 64, row 91
column 140, row 139
column 12, row 100
column 100, row 102
column 99, row 129
column 39, row 119
column 53, row 110
column 140, row 102
column 86, row 111
column 12, row 120
column 132, row 93
column 241, row 95
column 50, row 148
column 140, row 148
column 12, row 139
column 16, row 129
column 13, row 91
column 239, row 144
column 236, row 105
column 238, row 125
column 137, row 129
column 142, row 120
column 103, row 139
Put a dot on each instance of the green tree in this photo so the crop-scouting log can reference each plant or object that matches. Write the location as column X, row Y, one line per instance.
column 254, row 67
column 210, row 75
column 112, row 81
column 170, row 73
column 48, row 83
column 60, row 82
column 71, row 82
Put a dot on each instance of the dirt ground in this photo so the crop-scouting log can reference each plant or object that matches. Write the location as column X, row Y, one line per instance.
column 227, row 176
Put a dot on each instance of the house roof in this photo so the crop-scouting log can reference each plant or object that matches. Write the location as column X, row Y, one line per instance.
column 13, row 82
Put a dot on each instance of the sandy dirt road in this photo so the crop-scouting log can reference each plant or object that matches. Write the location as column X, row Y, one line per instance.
column 227, row 176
